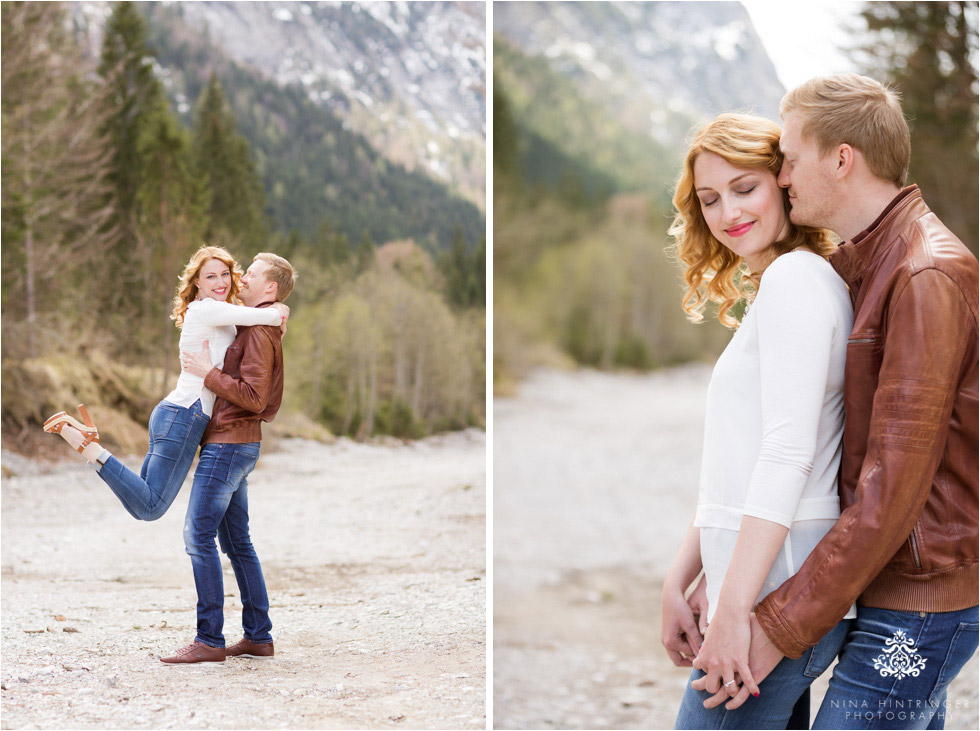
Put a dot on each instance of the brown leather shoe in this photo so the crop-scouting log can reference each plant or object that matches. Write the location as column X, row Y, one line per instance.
column 248, row 648
column 196, row 652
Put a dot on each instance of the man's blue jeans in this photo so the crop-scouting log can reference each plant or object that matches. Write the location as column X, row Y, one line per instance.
column 778, row 693
column 219, row 506
column 895, row 669
column 175, row 435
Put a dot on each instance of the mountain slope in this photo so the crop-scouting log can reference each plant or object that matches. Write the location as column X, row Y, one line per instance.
column 314, row 163
column 553, row 116
column 410, row 77
column 656, row 67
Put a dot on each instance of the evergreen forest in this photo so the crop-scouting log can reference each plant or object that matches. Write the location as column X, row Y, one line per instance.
column 108, row 187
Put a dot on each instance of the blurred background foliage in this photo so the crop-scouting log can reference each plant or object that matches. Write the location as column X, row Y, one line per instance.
column 582, row 268
column 107, row 189
column 928, row 51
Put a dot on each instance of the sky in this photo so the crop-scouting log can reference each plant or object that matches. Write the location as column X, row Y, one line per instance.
column 803, row 38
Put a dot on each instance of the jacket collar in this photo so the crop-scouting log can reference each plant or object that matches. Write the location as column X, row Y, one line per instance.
column 853, row 258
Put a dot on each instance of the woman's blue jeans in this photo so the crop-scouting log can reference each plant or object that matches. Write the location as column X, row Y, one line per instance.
column 895, row 669
column 175, row 435
column 219, row 506
column 778, row 693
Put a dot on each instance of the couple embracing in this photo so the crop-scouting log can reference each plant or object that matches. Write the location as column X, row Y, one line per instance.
column 837, row 510
column 231, row 380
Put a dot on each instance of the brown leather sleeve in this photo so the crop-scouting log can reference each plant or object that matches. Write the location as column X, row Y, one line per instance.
column 927, row 330
column 252, row 388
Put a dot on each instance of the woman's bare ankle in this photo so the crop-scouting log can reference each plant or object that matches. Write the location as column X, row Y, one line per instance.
column 91, row 452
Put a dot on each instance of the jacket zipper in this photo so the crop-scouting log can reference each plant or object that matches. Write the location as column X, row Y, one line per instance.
column 915, row 550
column 861, row 340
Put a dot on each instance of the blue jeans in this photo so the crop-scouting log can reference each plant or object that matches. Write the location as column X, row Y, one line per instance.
column 896, row 667
column 175, row 435
column 219, row 506
column 778, row 693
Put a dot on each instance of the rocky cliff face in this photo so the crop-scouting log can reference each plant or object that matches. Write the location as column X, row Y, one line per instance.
column 409, row 76
column 657, row 66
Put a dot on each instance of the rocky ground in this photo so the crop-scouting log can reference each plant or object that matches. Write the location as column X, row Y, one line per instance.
column 374, row 556
column 595, row 480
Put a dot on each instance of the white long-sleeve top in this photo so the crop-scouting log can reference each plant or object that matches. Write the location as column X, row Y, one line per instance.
column 775, row 419
column 208, row 319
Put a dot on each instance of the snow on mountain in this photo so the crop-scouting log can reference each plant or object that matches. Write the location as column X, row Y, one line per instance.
column 657, row 66
column 409, row 76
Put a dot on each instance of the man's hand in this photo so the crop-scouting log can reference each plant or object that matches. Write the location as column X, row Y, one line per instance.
column 763, row 658
column 678, row 628
column 197, row 364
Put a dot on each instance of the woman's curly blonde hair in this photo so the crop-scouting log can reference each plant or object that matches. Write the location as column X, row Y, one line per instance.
column 714, row 273
column 187, row 286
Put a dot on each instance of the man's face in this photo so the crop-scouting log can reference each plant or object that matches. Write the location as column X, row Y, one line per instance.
column 254, row 283
column 807, row 176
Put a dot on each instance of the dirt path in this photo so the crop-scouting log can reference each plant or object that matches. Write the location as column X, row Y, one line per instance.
column 375, row 561
column 595, row 481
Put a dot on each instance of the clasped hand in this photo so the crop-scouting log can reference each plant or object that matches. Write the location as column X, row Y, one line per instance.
column 682, row 622
column 763, row 657
column 724, row 658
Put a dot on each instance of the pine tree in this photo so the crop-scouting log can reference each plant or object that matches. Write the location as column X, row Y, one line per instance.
column 126, row 66
column 464, row 273
column 478, row 275
column 330, row 245
column 291, row 244
column 236, row 204
column 157, row 198
column 364, row 253
column 170, row 202
column 928, row 51
column 54, row 168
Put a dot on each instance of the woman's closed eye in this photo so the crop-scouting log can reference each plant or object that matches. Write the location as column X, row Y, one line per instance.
column 708, row 202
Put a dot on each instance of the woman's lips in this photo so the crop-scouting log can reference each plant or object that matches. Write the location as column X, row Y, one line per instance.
column 739, row 230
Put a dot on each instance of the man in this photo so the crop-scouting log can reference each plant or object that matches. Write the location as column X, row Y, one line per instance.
column 248, row 391
column 905, row 547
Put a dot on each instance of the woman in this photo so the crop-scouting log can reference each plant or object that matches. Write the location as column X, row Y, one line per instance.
column 206, row 310
column 774, row 418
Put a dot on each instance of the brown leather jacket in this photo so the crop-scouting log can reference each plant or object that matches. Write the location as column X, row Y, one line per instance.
column 907, row 536
column 248, row 388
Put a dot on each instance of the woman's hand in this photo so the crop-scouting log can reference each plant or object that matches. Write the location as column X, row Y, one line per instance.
column 698, row 602
column 725, row 653
column 763, row 659
column 678, row 627
column 197, row 364
column 284, row 311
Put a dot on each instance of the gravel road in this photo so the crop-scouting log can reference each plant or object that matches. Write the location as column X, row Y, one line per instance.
column 374, row 556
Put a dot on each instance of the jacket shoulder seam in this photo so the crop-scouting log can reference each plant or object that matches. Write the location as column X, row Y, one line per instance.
column 912, row 273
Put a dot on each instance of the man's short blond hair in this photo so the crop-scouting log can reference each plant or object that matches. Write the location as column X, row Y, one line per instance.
column 858, row 111
column 281, row 272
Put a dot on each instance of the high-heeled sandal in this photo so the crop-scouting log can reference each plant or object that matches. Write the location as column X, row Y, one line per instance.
column 90, row 434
